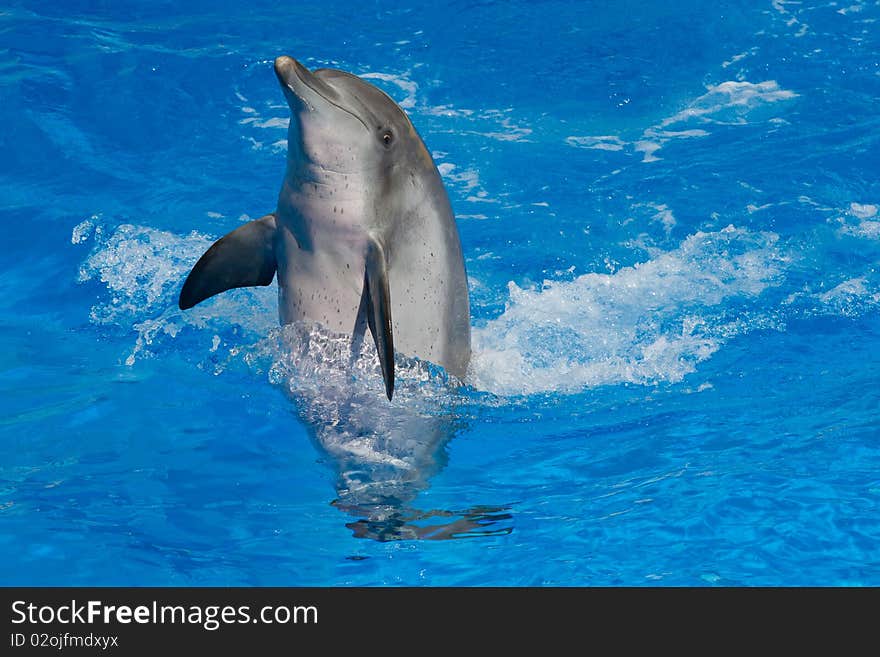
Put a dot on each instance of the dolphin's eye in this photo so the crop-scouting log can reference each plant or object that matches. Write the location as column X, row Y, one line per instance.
column 387, row 138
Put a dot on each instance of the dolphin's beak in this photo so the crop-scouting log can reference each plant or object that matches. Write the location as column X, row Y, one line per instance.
column 286, row 69
column 296, row 79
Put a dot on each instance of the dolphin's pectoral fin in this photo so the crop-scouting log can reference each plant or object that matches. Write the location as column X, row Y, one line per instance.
column 243, row 258
column 378, row 299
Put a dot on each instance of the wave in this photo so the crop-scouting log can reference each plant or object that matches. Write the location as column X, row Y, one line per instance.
column 649, row 323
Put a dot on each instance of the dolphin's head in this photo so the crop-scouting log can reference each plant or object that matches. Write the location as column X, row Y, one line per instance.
column 343, row 123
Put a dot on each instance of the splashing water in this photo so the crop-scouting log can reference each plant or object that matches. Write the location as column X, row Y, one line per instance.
column 648, row 323
column 142, row 269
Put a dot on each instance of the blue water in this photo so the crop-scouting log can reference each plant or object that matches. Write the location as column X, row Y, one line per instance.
column 670, row 216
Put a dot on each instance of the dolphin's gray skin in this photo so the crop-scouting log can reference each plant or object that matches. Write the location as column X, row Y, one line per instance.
column 363, row 234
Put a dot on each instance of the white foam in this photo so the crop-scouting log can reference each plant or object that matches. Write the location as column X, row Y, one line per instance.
column 83, row 230
column 739, row 57
column 730, row 98
column 860, row 220
column 447, row 111
column 648, row 148
column 862, row 211
column 138, row 265
column 864, row 228
column 852, row 9
column 849, row 298
column 506, row 129
column 403, row 82
column 276, row 124
column 663, row 216
column 307, row 358
column 727, row 103
column 678, row 134
column 142, row 269
column 273, row 122
column 600, row 142
column 790, row 19
column 645, row 324
column 466, row 180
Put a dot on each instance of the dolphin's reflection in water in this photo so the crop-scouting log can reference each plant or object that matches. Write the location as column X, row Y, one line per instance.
column 384, row 452
column 384, row 457
column 411, row 524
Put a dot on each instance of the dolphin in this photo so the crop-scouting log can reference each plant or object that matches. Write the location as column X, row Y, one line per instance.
column 363, row 235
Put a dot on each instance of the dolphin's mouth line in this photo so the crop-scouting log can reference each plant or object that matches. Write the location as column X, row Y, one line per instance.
column 323, row 97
